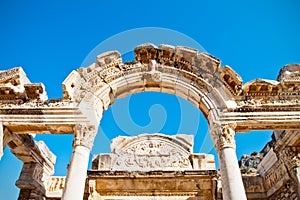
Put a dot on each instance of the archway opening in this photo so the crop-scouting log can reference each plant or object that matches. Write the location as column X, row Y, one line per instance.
column 153, row 112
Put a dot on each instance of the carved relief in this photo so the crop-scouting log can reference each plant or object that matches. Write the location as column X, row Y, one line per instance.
column 111, row 74
column 15, row 76
column 182, row 58
column 286, row 192
column 15, row 85
column 152, row 79
column 84, row 135
column 231, row 79
column 274, row 175
column 145, row 53
column 109, row 59
column 56, row 184
column 36, row 104
column 261, row 87
column 253, row 184
column 248, row 163
column 148, row 152
column 289, row 73
column 290, row 157
column 223, row 135
column 38, row 174
column 274, row 94
column 207, row 62
column 151, row 155
column 226, row 137
column 201, row 72
column 165, row 55
column 34, row 176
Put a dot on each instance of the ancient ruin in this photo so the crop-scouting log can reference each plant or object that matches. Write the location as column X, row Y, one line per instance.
column 156, row 166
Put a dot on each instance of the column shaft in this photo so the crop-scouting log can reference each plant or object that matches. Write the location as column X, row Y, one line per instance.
column 84, row 136
column 75, row 182
column 232, row 184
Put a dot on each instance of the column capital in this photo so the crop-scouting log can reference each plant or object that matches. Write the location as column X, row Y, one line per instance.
column 84, row 135
column 223, row 135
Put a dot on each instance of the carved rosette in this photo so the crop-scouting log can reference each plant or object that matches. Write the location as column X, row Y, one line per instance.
column 223, row 136
column 84, row 135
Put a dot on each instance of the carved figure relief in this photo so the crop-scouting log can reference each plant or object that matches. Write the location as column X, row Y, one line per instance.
column 151, row 155
column 150, row 152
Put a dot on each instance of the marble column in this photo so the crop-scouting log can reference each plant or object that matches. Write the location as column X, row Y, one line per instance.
column 75, row 182
column 232, row 184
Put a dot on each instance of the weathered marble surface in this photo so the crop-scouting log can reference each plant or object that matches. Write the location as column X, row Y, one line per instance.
column 153, row 166
column 148, row 152
column 229, row 105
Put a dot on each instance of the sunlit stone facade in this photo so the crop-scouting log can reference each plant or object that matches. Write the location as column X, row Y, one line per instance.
column 229, row 105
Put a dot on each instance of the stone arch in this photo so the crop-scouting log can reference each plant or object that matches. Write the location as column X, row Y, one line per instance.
column 198, row 78
column 217, row 91
column 179, row 70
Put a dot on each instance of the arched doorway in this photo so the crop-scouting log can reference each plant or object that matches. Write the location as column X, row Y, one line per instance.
column 197, row 78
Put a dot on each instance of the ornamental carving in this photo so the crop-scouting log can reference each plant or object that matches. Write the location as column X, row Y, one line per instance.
column 53, row 103
column 151, row 155
column 197, row 77
column 274, row 175
column 231, row 79
column 286, row 192
column 290, row 157
column 223, row 135
column 289, row 73
column 253, row 184
column 38, row 175
column 84, row 135
column 226, row 137
column 14, row 85
column 56, row 184
column 261, row 87
column 148, row 152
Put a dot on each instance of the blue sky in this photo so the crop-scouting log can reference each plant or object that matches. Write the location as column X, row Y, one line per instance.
column 50, row 39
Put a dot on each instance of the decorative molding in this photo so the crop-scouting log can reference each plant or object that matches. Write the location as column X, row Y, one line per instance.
column 231, row 79
column 286, row 192
column 55, row 187
column 223, row 135
column 274, row 176
column 290, row 157
column 15, row 85
column 84, row 135
column 151, row 152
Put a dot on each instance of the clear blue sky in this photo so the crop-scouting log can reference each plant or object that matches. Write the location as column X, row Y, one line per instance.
column 49, row 40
